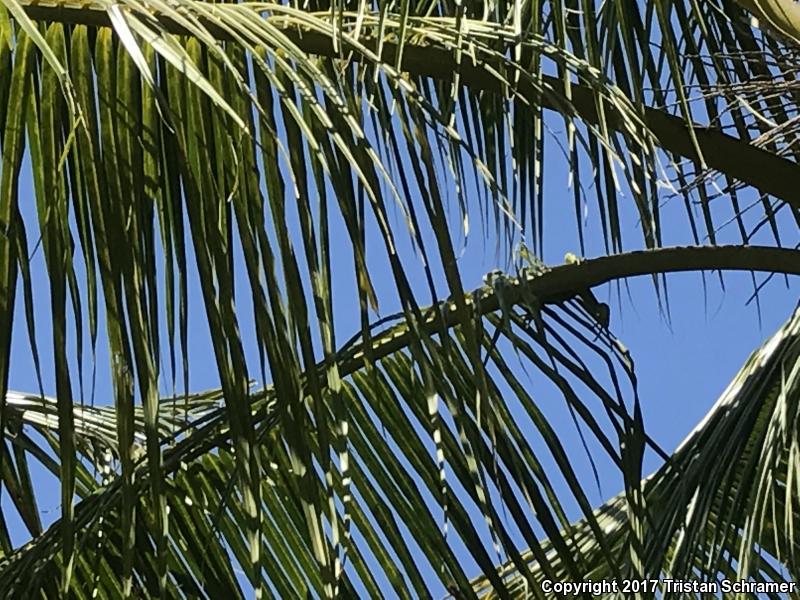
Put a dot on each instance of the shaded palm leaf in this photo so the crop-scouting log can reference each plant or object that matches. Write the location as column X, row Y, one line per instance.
column 725, row 504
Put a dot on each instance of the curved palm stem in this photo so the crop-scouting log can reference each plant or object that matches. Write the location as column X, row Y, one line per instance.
column 209, row 431
column 731, row 156
column 157, row 153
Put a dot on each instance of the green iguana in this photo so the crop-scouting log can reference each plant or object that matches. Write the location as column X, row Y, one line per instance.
column 527, row 262
column 599, row 310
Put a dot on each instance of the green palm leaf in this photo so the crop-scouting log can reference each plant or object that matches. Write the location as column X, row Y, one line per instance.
column 713, row 518
column 249, row 147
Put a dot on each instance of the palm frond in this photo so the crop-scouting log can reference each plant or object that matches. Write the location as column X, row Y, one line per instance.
column 725, row 504
column 394, row 479
column 167, row 139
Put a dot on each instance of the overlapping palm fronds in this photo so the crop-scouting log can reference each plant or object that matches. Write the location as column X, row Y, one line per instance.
column 725, row 506
column 32, row 425
column 389, row 417
column 391, row 484
column 339, row 141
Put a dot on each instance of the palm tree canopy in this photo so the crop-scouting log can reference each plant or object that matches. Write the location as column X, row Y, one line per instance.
column 270, row 152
